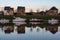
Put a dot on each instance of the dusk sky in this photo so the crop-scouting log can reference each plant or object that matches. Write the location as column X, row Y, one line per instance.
column 31, row 4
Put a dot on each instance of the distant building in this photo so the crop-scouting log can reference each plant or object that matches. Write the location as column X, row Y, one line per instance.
column 42, row 13
column 20, row 10
column 8, row 10
column 52, row 11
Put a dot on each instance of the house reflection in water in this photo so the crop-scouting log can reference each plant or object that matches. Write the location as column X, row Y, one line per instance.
column 52, row 29
column 21, row 29
column 8, row 29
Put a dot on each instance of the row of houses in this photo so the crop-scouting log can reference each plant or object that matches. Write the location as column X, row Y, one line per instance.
column 10, row 11
column 21, row 11
column 51, row 11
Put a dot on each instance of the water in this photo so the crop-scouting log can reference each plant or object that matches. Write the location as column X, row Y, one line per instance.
column 30, row 31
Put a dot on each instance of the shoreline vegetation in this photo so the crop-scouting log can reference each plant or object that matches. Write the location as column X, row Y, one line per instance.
column 44, row 17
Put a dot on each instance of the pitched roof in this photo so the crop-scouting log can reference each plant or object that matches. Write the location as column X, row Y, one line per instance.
column 6, row 7
column 53, row 8
column 20, row 7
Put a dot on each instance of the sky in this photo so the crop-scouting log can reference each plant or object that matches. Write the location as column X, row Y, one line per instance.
column 31, row 4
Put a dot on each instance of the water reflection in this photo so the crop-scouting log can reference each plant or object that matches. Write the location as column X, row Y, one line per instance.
column 8, row 29
column 52, row 29
column 20, row 29
column 30, row 31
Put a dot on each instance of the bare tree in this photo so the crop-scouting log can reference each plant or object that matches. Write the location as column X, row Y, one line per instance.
column 38, row 10
column 31, row 11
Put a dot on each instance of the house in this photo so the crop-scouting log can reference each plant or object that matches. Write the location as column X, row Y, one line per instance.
column 52, row 11
column 42, row 13
column 20, row 10
column 8, row 10
column 11, row 11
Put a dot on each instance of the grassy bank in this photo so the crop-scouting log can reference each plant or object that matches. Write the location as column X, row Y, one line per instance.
column 45, row 17
column 6, row 17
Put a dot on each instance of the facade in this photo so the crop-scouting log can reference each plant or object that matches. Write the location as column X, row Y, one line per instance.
column 8, row 10
column 11, row 11
column 20, row 10
column 52, row 11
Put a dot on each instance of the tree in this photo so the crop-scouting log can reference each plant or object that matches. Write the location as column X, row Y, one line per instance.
column 38, row 10
column 31, row 11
